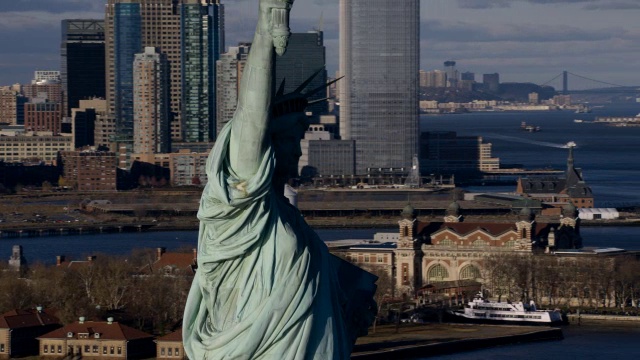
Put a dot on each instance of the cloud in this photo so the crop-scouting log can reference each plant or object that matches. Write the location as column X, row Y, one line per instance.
column 613, row 6
column 461, row 31
column 18, row 20
column 490, row 4
column 52, row 6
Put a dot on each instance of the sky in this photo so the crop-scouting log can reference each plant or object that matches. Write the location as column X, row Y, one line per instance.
column 523, row 40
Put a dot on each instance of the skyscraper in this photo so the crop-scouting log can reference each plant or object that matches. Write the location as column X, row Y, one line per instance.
column 305, row 55
column 229, row 72
column 151, row 102
column 202, row 42
column 379, row 58
column 82, row 71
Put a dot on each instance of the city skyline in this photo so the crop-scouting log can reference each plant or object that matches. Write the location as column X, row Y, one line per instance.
column 523, row 40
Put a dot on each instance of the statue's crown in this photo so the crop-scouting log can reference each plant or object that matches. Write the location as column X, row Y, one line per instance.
column 297, row 101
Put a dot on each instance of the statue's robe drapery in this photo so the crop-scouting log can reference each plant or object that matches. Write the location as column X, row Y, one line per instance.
column 266, row 286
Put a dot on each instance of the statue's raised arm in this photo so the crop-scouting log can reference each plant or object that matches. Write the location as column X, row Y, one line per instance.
column 250, row 124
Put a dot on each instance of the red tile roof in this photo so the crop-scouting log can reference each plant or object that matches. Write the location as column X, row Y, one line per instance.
column 183, row 261
column 16, row 319
column 113, row 331
column 174, row 336
column 464, row 228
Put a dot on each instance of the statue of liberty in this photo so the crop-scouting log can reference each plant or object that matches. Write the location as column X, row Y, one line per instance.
column 266, row 286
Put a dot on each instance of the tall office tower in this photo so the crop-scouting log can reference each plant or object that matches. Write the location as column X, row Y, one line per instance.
column 468, row 76
column 424, row 78
column 379, row 58
column 305, row 56
column 150, row 102
column 202, row 42
column 123, row 24
column 491, row 82
column 228, row 74
column 82, row 71
column 436, row 78
column 452, row 73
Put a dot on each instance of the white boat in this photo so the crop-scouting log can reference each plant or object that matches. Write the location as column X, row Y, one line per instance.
column 578, row 120
column 481, row 310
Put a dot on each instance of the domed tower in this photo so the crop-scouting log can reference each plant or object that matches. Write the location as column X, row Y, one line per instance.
column 408, row 253
column 569, row 215
column 453, row 213
column 526, row 214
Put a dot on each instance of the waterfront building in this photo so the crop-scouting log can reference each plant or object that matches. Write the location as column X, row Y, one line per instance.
column 534, row 98
column 304, row 57
column 88, row 339
column 20, row 328
column 202, row 42
column 82, row 69
column 228, row 74
column 43, row 115
column 455, row 248
column 559, row 190
column 150, row 102
column 444, row 152
column 436, row 79
column 491, row 82
column 185, row 167
column 89, row 170
column 323, row 155
column 424, row 78
column 84, row 119
column 379, row 59
column 28, row 146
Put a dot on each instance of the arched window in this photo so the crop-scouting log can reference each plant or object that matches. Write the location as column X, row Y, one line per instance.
column 479, row 243
column 405, row 231
column 437, row 273
column 469, row 272
column 447, row 242
column 510, row 244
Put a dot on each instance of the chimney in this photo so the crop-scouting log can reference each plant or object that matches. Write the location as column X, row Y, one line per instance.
column 59, row 260
column 91, row 258
column 109, row 320
column 39, row 308
column 81, row 320
column 159, row 252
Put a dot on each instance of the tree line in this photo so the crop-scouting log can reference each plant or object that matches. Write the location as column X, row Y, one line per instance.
column 125, row 287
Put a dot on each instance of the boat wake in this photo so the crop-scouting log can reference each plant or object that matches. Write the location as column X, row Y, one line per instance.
column 527, row 141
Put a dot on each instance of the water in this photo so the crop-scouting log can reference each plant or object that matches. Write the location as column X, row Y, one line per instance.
column 608, row 155
column 45, row 249
column 579, row 343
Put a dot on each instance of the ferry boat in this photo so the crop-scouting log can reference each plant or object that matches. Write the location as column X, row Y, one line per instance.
column 481, row 310
column 578, row 120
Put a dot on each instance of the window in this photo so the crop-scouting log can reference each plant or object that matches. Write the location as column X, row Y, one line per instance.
column 177, row 352
column 46, row 349
column 119, row 350
column 87, row 349
column 169, row 352
column 111, row 350
column 59, row 349
column 161, row 351
column 1, row 347
column 437, row 273
column 447, row 242
column 469, row 272
column 95, row 349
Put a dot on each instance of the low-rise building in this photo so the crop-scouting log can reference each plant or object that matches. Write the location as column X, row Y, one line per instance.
column 97, row 339
column 89, row 170
column 41, row 146
column 170, row 346
column 20, row 328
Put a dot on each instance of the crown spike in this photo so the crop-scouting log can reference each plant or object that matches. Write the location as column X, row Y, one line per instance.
column 308, row 81
column 281, row 88
column 322, row 87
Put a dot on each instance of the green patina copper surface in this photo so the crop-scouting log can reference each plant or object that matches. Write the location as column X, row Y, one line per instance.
column 266, row 286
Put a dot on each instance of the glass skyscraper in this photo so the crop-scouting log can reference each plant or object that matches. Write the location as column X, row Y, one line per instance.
column 127, row 43
column 379, row 57
column 202, row 42
column 82, row 71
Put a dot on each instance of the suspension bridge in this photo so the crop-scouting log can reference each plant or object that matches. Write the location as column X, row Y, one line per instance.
column 585, row 85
